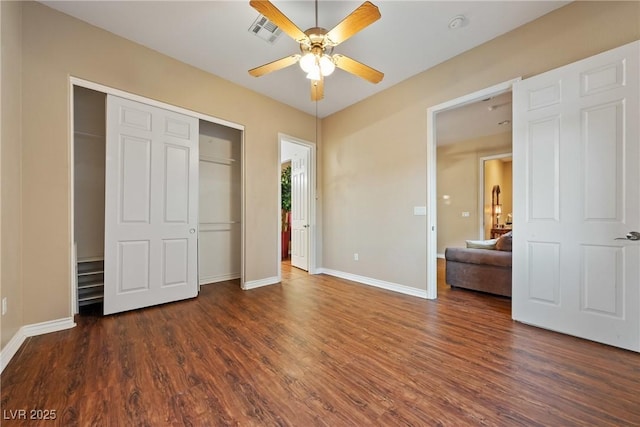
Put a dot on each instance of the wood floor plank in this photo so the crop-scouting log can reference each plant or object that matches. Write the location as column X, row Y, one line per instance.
column 320, row 351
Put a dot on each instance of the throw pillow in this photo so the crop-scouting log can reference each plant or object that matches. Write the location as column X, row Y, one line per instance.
column 482, row 244
column 505, row 242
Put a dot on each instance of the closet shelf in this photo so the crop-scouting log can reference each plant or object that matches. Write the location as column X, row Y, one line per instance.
column 90, row 259
column 88, row 134
column 91, row 285
column 90, row 273
column 90, row 299
column 218, row 160
column 220, row 223
column 90, row 280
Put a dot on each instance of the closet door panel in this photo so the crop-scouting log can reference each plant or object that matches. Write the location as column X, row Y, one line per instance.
column 176, row 190
column 151, row 206
column 134, row 266
column 134, row 180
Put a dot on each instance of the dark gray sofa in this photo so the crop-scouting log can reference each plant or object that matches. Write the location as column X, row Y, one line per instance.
column 485, row 270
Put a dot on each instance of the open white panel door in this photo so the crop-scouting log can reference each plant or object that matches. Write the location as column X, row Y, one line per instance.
column 300, row 211
column 151, row 206
column 576, row 156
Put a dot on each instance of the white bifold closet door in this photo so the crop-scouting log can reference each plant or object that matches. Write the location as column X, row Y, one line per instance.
column 151, row 206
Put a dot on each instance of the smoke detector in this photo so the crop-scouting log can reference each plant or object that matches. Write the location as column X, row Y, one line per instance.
column 457, row 22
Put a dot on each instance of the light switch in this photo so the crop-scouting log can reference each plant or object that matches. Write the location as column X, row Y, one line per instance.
column 420, row 210
column 465, row 214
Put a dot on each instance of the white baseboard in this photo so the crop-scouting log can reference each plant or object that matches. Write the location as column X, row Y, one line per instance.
column 440, row 256
column 390, row 286
column 252, row 284
column 32, row 330
column 11, row 349
column 221, row 278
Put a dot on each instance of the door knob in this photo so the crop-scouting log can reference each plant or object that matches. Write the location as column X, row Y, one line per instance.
column 192, row 230
column 632, row 235
column 306, row 226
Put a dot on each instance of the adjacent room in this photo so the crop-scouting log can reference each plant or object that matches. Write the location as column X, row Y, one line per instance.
column 320, row 213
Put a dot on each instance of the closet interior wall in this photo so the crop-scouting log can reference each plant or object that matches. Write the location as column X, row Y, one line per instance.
column 89, row 186
column 219, row 244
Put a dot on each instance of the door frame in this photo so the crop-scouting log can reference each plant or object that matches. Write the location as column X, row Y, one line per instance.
column 75, row 81
column 312, row 196
column 481, row 186
column 432, row 207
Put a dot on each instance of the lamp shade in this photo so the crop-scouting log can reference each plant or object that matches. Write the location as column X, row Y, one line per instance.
column 314, row 73
column 307, row 62
column 327, row 65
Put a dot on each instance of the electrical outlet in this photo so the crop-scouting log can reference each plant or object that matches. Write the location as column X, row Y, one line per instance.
column 355, row 257
column 465, row 214
column 4, row 306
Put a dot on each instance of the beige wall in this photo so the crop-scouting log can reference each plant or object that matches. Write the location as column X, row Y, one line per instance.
column 10, row 213
column 458, row 177
column 375, row 151
column 56, row 46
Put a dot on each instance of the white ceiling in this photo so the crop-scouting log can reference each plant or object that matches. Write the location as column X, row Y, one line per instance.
column 411, row 37
column 490, row 116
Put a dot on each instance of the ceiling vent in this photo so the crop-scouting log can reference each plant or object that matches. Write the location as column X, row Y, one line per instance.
column 265, row 29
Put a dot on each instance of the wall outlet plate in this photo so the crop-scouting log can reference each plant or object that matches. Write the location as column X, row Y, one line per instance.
column 420, row 210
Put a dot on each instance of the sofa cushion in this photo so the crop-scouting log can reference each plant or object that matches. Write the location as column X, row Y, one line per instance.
column 479, row 256
column 482, row 244
column 505, row 242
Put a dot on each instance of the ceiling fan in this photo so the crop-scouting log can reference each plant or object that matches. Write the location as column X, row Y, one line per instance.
column 316, row 55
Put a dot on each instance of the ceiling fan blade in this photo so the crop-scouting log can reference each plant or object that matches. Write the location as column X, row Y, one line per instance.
column 280, row 19
column 274, row 66
column 366, row 14
column 358, row 68
column 317, row 89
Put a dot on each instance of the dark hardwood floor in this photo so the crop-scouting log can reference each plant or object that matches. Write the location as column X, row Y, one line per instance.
column 317, row 350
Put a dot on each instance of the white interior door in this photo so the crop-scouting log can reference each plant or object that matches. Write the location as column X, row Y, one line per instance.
column 300, row 211
column 151, row 206
column 576, row 157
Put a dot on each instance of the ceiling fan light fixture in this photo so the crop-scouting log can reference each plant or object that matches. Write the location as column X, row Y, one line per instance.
column 307, row 62
column 314, row 74
column 327, row 66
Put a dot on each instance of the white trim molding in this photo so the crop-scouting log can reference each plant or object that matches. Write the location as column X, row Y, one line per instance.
column 27, row 331
column 313, row 244
column 432, row 207
column 252, row 284
column 389, row 286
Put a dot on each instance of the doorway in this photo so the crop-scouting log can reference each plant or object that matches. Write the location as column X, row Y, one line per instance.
column 496, row 176
column 432, row 192
column 297, row 209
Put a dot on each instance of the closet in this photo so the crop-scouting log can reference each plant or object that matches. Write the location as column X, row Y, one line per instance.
column 129, row 189
column 89, row 172
column 219, row 244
